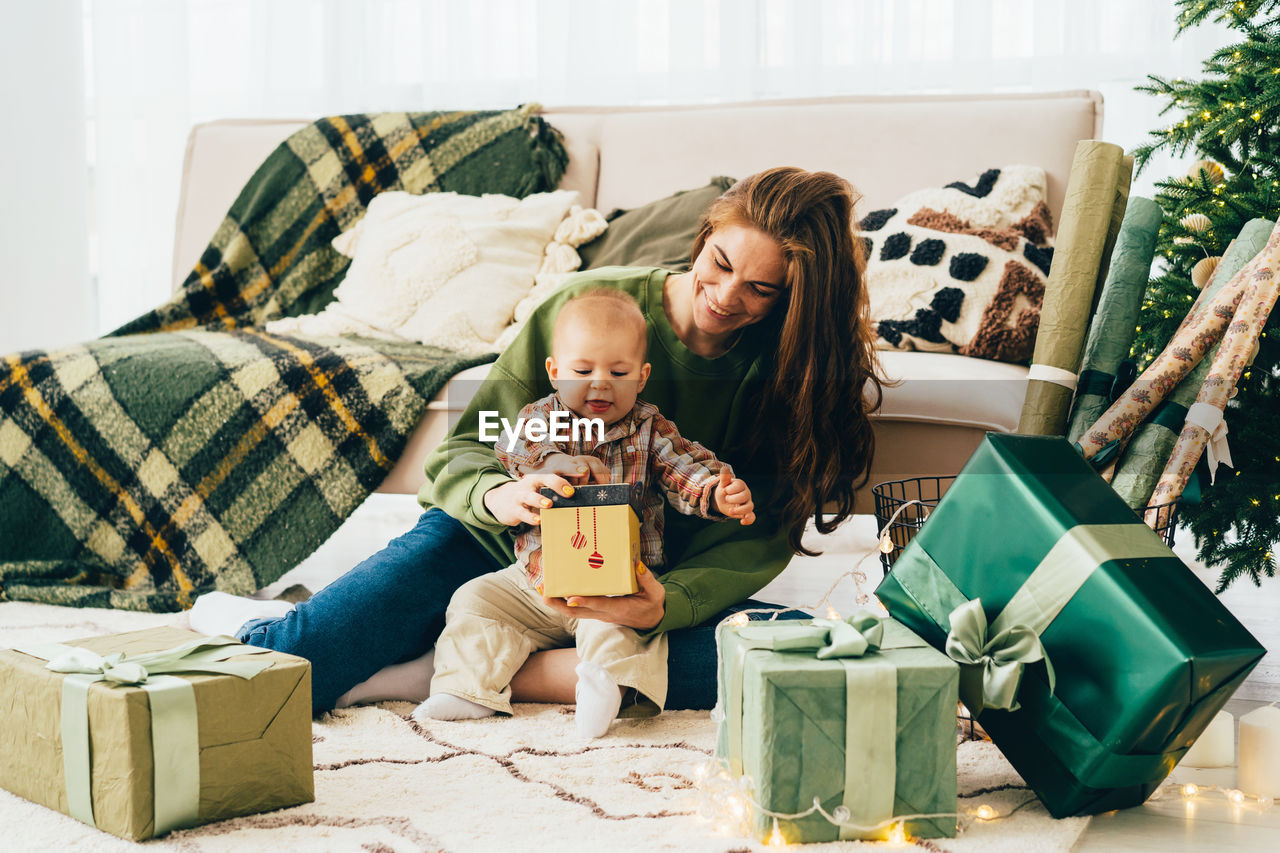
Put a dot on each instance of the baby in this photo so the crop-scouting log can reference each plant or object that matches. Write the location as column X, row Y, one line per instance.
column 496, row 621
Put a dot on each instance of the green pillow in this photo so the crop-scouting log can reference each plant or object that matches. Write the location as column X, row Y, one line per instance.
column 659, row 234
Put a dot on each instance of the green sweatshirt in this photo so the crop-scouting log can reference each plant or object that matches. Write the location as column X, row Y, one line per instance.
column 710, row 565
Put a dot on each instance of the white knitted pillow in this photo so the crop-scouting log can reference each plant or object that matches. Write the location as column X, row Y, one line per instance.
column 441, row 268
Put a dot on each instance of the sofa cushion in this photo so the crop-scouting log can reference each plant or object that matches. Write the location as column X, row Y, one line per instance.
column 962, row 268
column 658, row 234
column 938, row 399
column 441, row 268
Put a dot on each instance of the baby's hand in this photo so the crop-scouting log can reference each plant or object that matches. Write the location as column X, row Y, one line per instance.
column 578, row 470
column 732, row 498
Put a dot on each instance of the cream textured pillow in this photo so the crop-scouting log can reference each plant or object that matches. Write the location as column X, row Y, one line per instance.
column 962, row 268
column 441, row 268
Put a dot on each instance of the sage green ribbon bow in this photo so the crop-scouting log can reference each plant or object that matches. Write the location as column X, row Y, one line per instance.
column 871, row 709
column 991, row 665
column 174, row 729
column 829, row 638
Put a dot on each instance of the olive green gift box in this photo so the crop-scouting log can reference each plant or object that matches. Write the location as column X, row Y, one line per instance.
column 1141, row 655
column 874, row 732
column 252, row 737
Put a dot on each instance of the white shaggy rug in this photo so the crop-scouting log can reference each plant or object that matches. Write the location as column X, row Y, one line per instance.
column 386, row 783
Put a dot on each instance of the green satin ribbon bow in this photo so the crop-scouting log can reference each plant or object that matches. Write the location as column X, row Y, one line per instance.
column 991, row 666
column 174, row 729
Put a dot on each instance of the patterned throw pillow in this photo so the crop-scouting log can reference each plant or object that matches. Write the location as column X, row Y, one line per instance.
column 962, row 268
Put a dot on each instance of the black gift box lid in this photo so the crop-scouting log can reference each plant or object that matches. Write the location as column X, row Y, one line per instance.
column 599, row 494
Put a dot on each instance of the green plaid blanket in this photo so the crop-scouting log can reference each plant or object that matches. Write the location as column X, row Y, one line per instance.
column 190, row 450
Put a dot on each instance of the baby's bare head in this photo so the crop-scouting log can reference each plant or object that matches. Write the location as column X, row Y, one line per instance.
column 599, row 315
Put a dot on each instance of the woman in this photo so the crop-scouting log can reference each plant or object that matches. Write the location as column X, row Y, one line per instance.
column 762, row 352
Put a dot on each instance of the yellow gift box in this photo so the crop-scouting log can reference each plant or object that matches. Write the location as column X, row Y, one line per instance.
column 591, row 541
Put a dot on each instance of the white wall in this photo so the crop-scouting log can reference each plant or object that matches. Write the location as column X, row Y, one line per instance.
column 45, row 297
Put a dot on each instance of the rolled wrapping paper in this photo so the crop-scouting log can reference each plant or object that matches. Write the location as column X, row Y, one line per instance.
column 1124, row 177
column 1204, row 419
column 1112, row 330
column 1152, row 443
column 1200, row 330
column 1068, row 294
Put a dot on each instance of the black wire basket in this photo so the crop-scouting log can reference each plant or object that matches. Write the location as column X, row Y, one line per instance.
column 917, row 496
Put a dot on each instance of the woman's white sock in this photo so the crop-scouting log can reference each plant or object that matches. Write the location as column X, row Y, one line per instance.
column 446, row 706
column 219, row 613
column 599, row 699
column 406, row 682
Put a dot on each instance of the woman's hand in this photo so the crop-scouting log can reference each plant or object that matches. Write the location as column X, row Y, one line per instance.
column 733, row 498
column 641, row 610
column 518, row 501
column 578, row 470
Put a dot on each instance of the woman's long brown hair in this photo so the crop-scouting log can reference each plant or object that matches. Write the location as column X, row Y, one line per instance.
column 823, row 383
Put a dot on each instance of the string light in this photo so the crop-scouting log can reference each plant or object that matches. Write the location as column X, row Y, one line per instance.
column 898, row 834
column 1189, row 790
column 775, row 837
column 985, row 812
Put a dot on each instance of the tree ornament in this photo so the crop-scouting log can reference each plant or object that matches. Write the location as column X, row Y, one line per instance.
column 1212, row 171
column 1197, row 222
column 1202, row 272
column 578, row 541
column 595, row 561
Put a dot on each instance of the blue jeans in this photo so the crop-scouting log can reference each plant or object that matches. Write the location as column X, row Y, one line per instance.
column 390, row 609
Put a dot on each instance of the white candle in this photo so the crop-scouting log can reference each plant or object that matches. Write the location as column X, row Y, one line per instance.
column 1216, row 747
column 1260, row 752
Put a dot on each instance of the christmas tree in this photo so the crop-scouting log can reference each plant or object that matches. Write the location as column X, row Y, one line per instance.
column 1231, row 120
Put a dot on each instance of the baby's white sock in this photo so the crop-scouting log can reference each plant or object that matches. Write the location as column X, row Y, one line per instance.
column 220, row 613
column 446, row 706
column 599, row 699
column 406, row 682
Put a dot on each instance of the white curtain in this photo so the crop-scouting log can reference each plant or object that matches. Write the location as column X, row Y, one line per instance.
column 155, row 67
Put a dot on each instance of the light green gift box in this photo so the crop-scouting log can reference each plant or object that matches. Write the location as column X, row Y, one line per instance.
column 141, row 733
column 813, row 710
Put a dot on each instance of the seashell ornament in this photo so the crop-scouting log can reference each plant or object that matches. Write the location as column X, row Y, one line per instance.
column 1202, row 272
column 1211, row 168
column 1196, row 222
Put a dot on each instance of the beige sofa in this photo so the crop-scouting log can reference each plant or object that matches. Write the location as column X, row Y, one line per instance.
column 627, row 156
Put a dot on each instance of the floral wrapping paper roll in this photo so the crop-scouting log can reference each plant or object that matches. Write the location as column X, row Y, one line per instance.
column 1237, row 345
column 1152, row 444
column 1202, row 328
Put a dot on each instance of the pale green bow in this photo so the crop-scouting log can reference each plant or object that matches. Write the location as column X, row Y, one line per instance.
column 1002, row 658
column 831, row 638
column 206, row 654
column 853, row 637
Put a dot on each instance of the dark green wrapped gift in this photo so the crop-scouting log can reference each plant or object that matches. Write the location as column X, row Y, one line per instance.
column 857, row 713
column 1105, row 657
